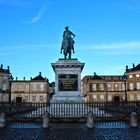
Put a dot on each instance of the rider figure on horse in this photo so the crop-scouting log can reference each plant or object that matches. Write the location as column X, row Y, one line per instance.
column 68, row 42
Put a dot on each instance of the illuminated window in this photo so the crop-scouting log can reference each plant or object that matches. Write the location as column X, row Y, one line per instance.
column 138, row 85
column 94, row 97
column 102, row 97
column 116, row 87
column 137, row 75
column 109, row 98
column 108, row 87
column 131, row 86
column 101, row 87
column 123, row 87
column 131, row 97
column 138, row 97
column 130, row 76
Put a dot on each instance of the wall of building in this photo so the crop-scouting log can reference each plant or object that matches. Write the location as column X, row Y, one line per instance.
column 30, row 91
column 4, row 84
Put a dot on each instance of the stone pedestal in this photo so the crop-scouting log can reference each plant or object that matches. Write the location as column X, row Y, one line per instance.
column 68, row 80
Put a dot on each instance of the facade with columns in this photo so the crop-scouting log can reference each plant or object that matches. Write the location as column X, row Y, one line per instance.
column 113, row 87
column 4, row 84
column 33, row 90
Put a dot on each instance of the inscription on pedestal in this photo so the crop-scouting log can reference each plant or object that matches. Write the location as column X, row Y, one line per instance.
column 68, row 82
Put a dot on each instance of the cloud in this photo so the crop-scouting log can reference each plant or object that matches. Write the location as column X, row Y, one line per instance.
column 38, row 16
column 17, row 49
column 132, row 47
column 6, row 53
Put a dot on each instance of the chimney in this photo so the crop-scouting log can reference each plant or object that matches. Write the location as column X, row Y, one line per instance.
column 31, row 78
column 40, row 73
column 1, row 66
column 133, row 65
column 16, row 78
column 94, row 73
column 24, row 78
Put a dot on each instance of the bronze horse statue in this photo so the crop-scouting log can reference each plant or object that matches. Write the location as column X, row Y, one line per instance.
column 67, row 47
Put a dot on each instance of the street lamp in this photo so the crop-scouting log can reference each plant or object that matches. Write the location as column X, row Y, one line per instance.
column 106, row 92
column 10, row 79
column 124, row 78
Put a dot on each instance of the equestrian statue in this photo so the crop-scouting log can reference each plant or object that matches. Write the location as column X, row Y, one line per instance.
column 67, row 43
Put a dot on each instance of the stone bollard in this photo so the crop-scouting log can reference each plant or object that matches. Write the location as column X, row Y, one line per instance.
column 90, row 120
column 133, row 119
column 46, row 120
column 2, row 120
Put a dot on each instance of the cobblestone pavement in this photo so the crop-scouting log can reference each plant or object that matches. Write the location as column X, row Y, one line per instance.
column 70, row 133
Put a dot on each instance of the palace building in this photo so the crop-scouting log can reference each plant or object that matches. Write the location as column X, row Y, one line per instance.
column 133, row 82
column 33, row 90
column 113, row 87
column 4, row 84
column 94, row 87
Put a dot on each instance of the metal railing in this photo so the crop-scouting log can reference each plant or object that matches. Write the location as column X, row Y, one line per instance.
column 59, row 111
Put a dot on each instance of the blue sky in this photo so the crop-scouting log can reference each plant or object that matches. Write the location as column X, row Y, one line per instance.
column 107, row 35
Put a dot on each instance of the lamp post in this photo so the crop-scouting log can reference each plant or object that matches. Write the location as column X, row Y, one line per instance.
column 124, row 78
column 106, row 92
column 10, row 79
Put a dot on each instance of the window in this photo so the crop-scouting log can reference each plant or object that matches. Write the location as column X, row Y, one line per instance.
column 109, row 98
column 123, row 87
column 26, row 98
column 101, row 87
column 4, row 78
column 130, row 76
column 41, row 87
column 3, row 86
column 34, row 87
column 137, row 75
column 116, row 87
column 138, row 97
column 21, row 87
column 94, row 87
column 102, row 97
column 27, row 88
column 41, row 98
column 33, row 98
column 131, row 86
column 108, row 87
column 131, row 97
column 94, row 97
column 138, row 85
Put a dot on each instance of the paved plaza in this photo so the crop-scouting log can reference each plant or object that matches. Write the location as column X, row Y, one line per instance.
column 71, row 132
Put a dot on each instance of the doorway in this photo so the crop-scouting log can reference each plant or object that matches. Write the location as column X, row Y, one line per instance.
column 19, row 99
column 116, row 99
